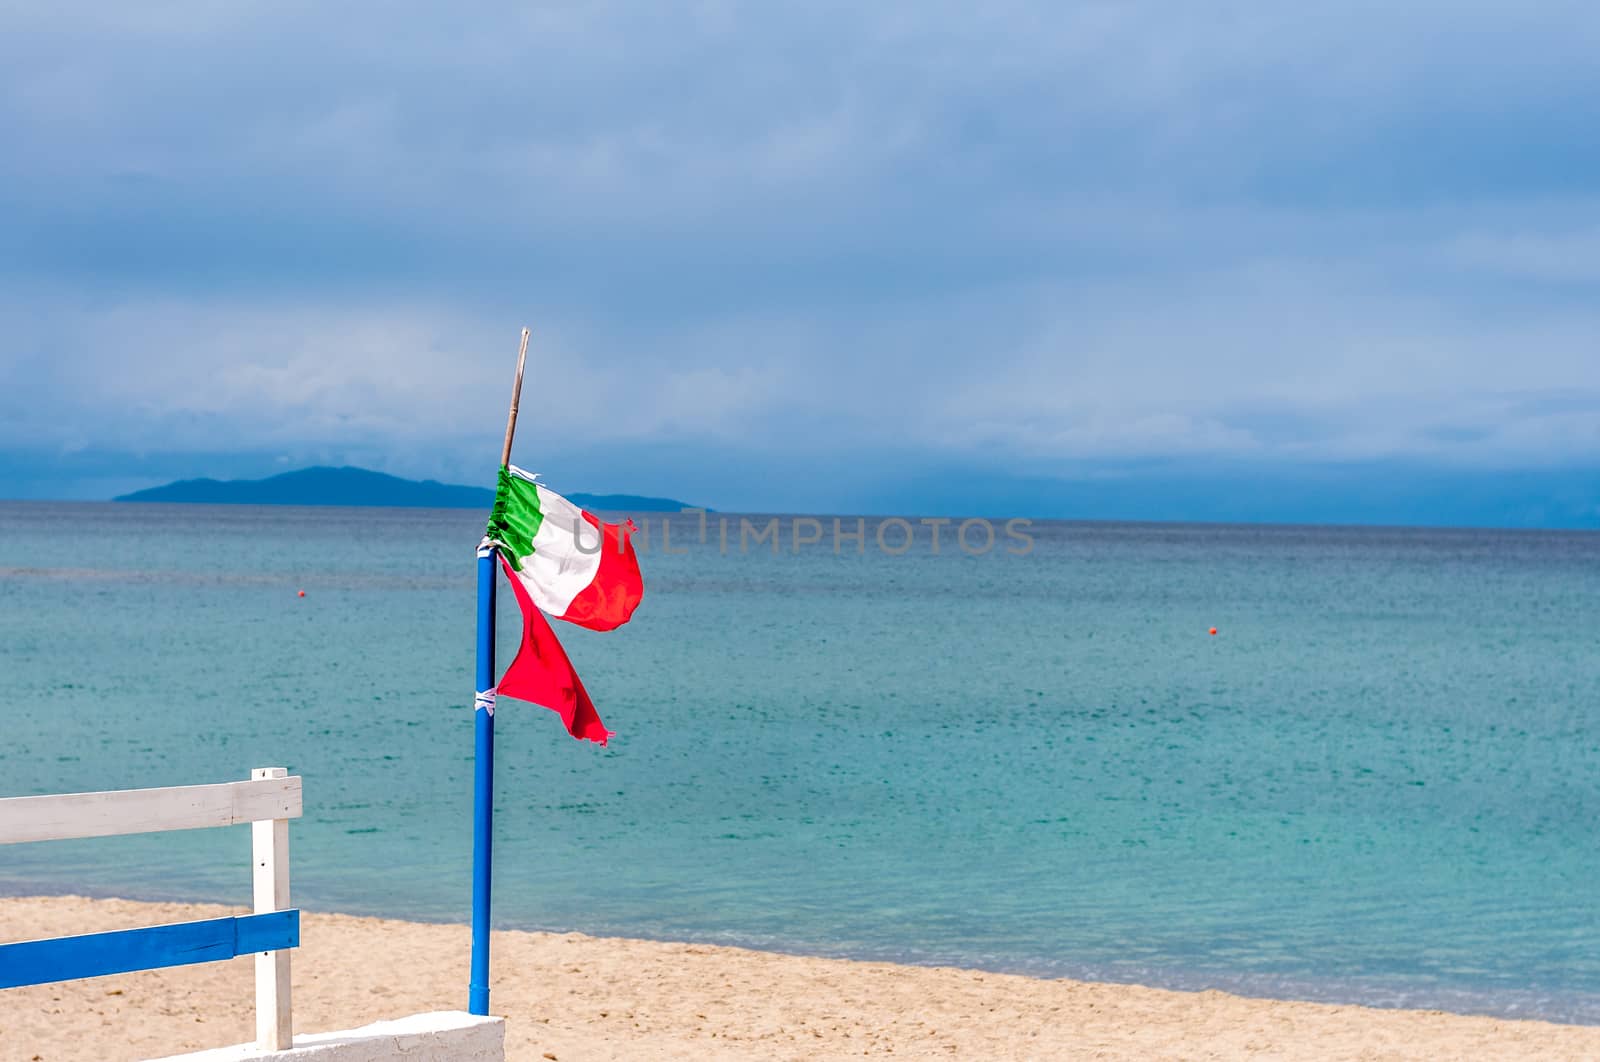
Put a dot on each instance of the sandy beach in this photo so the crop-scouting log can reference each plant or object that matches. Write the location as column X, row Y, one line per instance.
column 574, row 998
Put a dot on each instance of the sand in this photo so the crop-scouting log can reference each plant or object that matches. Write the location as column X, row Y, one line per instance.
column 576, row 998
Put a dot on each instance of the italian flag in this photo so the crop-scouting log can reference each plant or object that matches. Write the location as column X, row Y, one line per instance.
column 571, row 564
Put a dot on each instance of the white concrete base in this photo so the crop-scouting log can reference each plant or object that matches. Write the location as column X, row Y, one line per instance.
column 442, row 1036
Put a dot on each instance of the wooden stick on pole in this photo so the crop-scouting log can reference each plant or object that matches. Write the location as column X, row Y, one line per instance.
column 516, row 395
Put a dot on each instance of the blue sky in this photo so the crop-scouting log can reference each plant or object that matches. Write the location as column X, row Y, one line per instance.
column 796, row 257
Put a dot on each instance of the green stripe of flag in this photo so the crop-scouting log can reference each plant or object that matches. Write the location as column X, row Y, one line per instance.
column 515, row 518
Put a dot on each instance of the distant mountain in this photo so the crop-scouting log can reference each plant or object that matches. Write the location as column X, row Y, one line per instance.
column 360, row 486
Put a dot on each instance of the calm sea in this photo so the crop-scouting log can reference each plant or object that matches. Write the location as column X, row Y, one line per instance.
column 1379, row 782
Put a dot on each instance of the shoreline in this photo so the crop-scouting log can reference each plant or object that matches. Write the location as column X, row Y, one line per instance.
column 583, row 997
column 1572, row 1008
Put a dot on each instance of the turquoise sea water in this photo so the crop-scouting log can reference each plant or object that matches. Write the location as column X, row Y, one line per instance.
column 1380, row 781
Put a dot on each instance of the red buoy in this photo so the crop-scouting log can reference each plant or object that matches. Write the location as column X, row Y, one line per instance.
column 303, row 594
column 1212, row 631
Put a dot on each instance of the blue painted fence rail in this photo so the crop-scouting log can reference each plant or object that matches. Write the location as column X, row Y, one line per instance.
column 37, row 962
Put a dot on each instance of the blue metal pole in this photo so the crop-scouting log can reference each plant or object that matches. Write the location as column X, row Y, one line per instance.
column 483, row 787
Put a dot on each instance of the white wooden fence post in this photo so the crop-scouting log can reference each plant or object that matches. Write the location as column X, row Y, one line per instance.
column 269, row 845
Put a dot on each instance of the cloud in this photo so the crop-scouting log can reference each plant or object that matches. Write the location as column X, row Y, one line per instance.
column 1036, row 232
column 1538, row 256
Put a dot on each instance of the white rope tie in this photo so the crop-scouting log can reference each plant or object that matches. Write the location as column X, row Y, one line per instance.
column 484, row 702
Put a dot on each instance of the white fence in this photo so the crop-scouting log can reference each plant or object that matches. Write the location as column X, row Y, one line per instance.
column 267, row 801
